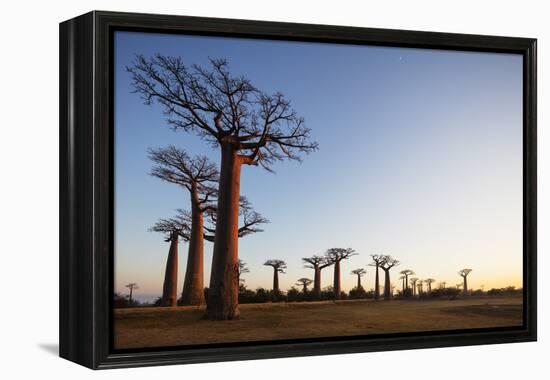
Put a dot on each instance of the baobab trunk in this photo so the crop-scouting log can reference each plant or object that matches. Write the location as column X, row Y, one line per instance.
column 193, row 286
column 223, row 293
column 169, row 288
column 359, row 282
column 465, row 285
column 377, row 285
column 336, row 285
column 387, row 285
column 317, row 283
column 275, row 281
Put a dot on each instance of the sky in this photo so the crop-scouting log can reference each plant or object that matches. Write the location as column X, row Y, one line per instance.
column 420, row 157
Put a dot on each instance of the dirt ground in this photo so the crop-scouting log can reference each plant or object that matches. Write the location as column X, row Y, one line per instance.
column 157, row 327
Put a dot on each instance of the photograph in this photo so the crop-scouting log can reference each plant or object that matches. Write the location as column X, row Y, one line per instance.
column 282, row 190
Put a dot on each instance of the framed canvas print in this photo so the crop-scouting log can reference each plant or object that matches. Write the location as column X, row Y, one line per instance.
column 237, row 189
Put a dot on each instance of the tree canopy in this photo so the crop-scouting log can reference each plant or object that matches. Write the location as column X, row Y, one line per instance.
column 222, row 108
column 277, row 265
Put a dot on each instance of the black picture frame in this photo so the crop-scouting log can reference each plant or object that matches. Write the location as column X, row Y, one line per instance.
column 86, row 187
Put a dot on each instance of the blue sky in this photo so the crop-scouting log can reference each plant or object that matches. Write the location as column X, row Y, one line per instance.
column 420, row 157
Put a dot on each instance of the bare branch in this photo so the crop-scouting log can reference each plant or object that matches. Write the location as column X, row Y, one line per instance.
column 243, row 267
column 250, row 218
column 407, row 272
column 464, row 272
column 180, row 225
column 388, row 262
column 277, row 265
column 197, row 173
column 132, row 286
column 359, row 272
column 338, row 254
column 220, row 107
column 316, row 262
column 377, row 260
column 304, row 283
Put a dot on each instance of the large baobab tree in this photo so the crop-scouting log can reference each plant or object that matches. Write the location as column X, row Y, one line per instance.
column 388, row 263
column 304, row 283
column 317, row 263
column 429, row 282
column 279, row 266
column 413, row 280
column 464, row 274
column 377, row 260
column 249, row 126
column 359, row 272
column 173, row 229
column 335, row 256
column 132, row 286
column 407, row 273
column 198, row 175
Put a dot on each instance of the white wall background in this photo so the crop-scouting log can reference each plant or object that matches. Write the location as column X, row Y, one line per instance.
column 29, row 186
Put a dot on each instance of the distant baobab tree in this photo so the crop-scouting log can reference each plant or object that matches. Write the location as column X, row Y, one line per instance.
column 388, row 263
column 402, row 278
column 420, row 285
column 377, row 260
column 464, row 274
column 429, row 282
column 304, row 283
column 173, row 229
column 278, row 266
column 243, row 268
column 317, row 263
column 442, row 284
column 458, row 286
column 249, row 126
column 132, row 286
column 413, row 280
column 336, row 255
column 199, row 176
column 407, row 273
column 359, row 272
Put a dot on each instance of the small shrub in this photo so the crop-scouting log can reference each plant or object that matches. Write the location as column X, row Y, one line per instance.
column 357, row 293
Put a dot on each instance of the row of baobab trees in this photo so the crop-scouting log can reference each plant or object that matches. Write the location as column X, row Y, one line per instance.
column 412, row 286
column 250, row 128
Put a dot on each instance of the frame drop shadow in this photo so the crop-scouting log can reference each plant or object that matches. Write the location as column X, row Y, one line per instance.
column 51, row 348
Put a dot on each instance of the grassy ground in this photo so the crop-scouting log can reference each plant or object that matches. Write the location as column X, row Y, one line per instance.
column 156, row 327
